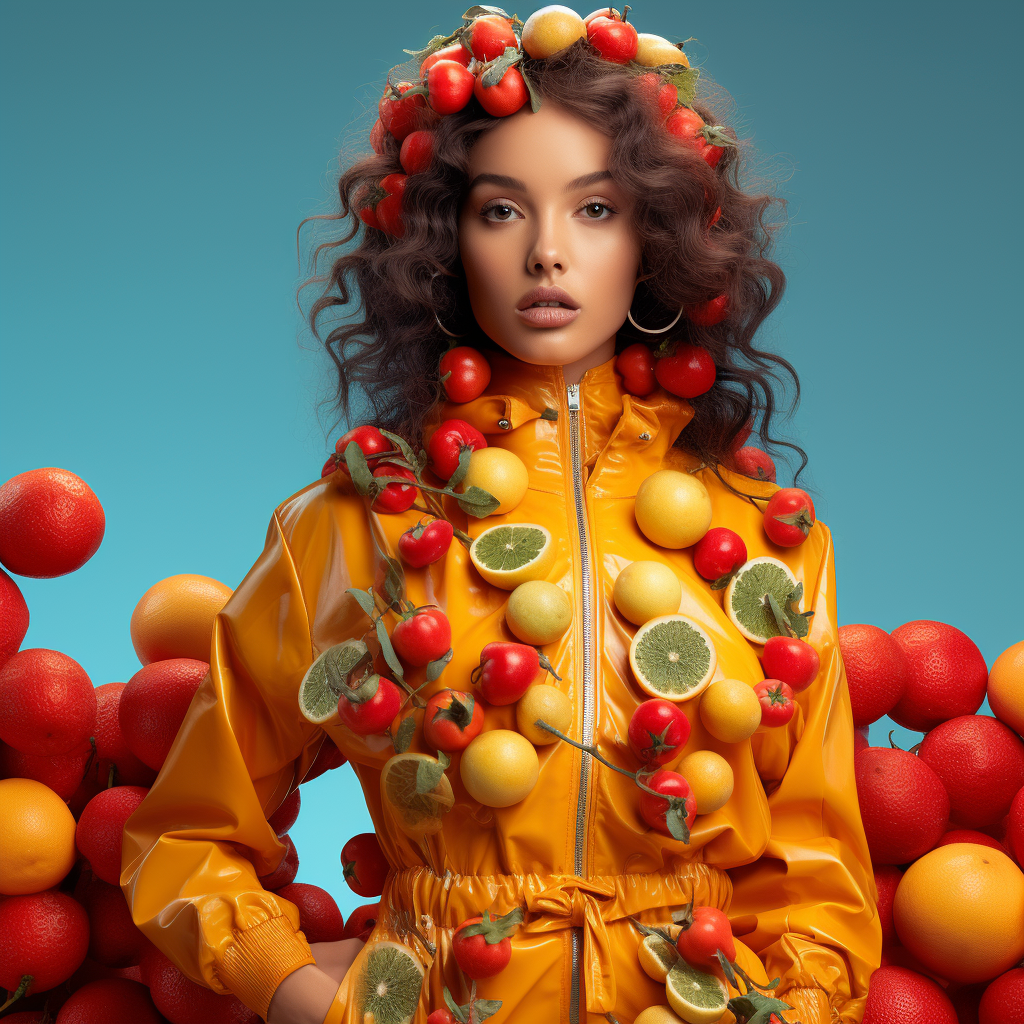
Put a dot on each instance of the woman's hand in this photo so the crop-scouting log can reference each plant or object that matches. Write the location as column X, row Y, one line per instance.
column 305, row 996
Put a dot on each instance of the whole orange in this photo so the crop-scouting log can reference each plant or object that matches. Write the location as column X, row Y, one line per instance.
column 174, row 618
column 1006, row 687
column 960, row 910
column 37, row 837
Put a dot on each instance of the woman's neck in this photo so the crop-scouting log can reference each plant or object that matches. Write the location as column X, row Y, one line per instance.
column 573, row 372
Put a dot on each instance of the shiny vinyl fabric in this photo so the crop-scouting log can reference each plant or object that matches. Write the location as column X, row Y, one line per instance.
column 786, row 857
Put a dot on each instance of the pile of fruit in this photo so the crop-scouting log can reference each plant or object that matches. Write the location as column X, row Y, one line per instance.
column 944, row 822
column 76, row 761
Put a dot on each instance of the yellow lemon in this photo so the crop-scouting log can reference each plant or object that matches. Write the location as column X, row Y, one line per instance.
column 499, row 472
column 643, row 590
column 673, row 509
column 1006, row 687
column 658, row 1015
column 499, row 768
column 730, row 710
column 551, row 29
column 657, row 957
column 538, row 612
column 697, row 997
column 652, row 51
column 512, row 553
column 710, row 777
column 547, row 703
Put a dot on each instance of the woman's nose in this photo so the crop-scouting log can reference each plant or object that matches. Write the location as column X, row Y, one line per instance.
column 547, row 253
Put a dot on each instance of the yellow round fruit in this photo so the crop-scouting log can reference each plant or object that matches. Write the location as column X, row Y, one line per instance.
column 1006, row 687
column 551, row 29
column 710, row 777
column 499, row 472
column 175, row 617
column 652, row 51
column 657, row 1015
column 538, row 612
column 644, row 590
column 547, row 703
column 512, row 553
column 657, row 957
column 499, row 768
column 673, row 509
column 730, row 710
column 960, row 910
column 37, row 837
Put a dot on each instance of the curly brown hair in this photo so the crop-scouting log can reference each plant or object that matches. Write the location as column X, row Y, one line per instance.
column 393, row 350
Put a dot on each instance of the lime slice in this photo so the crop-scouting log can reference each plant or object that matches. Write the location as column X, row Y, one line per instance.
column 746, row 597
column 322, row 683
column 697, row 997
column 388, row 985
column 513, row 553
column 418, row 814
column 657, row 957
column 672, row 657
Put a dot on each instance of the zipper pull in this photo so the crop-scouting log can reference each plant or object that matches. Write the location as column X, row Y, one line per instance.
column 573, row 394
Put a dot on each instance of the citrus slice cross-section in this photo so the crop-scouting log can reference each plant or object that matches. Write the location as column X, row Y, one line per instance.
column 657, row 957
column 747, row 597
column 388, row 988
column 672, row 657
column 417, row 814
column 322, row 683
column 513, row 553
column 697, row 997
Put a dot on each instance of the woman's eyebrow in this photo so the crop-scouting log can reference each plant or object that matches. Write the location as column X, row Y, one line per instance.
column 501, row 180
column 586, row 180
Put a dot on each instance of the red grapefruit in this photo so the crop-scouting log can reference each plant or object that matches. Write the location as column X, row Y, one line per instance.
column 182, row 1001
column 110, row 1001
column 61, row 772
column 887, row 878
column 101, row 826
column 51, row 523
column 980, row 762
column 947, row 675
column 285, row 872
column 46, row 935
column 1014, row 838
column 876, row 671
column 967, row 835
column 362, row 921
column 111, row 748
column 114, row 940
column 13, row 617
column 327, row 759
column 287, row 814
column 319, row 916
column 899, row 996
column 1003, row 1000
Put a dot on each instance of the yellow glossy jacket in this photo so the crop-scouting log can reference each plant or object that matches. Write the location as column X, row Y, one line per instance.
column 786, row 857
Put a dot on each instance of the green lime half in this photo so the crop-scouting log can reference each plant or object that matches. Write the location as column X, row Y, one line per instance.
column 322, row 683
column 513, row 553
column 672, row 657
column 697, row 997
column 747, row 597
column 389, row 984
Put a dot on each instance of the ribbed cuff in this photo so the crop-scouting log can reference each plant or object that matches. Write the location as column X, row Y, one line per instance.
column 261, row 958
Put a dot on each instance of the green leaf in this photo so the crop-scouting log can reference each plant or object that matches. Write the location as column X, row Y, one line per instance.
column 458, row 1012
column 388, row 651
column 716, row 136
column 477, row 502
column 478, row 10
column 365, row 600
column 460, row 713
column 358, row 469
column 685, row 82
column 754, row 1008
column 339, row 660
column 495, row 70
column 404, row 735
column 428, row 775
column 362, row 693
column 462, row 468
column 781, row 618
column 402, row 445
column 486, row 1008
column 726, row 965
column 549, row 413
column 394, row 581
column 723, row 581
column 675, row 819
column 437, row 666
column 535, row 106
column 435, row 44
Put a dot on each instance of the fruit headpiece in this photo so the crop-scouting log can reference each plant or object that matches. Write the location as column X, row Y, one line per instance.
column 483, row 61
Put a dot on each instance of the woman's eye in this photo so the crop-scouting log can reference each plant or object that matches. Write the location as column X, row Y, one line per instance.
column 499, row 212
column 597, row 211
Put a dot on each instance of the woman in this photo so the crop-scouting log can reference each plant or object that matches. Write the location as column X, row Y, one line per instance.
column 551, row 235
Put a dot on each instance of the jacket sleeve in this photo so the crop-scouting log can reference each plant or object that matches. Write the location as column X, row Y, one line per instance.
column 194, row 848
column 807, row 906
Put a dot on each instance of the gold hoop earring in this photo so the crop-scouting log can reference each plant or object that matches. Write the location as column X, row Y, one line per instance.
column 445, row 329
column 646, row 330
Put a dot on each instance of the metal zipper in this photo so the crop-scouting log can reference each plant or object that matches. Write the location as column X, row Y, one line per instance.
column 573, row 396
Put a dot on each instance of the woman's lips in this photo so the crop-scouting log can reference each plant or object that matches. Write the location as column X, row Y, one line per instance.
column 547, row 316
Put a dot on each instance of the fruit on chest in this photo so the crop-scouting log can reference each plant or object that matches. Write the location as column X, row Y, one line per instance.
column 762, row 600
column 513, row 553
column 506, row 670
column 499, row 472
column 538, row 612
column 546, row 703
column 793, row 661
column 422, row 636
column 371, row 707
column 672, row 657
column 675, row 792
column 464, row 372
column 425, row 543
column 499, row 768
column 673, row 509
column 658, row 731
column 789, row 516
column 451, row 720
column 405, row 785
column 719, row 552
column 730, row 710
column 776, row 697
column 710, row 777
column 448, row 442
column 388, row 985
column 644, row 590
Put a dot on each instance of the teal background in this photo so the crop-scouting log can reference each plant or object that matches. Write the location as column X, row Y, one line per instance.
column 157, row 161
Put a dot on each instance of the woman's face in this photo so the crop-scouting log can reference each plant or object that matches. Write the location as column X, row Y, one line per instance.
column 545, row 223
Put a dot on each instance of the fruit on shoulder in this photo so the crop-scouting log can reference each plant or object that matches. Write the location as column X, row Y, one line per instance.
column 499, row 472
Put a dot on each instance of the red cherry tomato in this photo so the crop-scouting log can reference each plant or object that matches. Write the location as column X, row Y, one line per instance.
column 364, row 865
column 715, row 217
column 754, row 463
column 709, row 932
column 504, row 98
column 482, row 955
column 389, row 209
column 417, row 151
column 377, row 135
column 671, row 784
column 688, row 372
column 456, row 52
column 422, row 636
column 506, row 671
column 362, row 921
column 469, row 373
column 449, row 86
column 329, row 466
column 615, row 40
column 441, row 1016
column 370, row 440
column 488, row 36
column 369, row 217
column 658, row 731
column 776, row 699
column 423, row 544
column 402, row 114
column 658, row 91
column 718, row 553
column 791, row 660
column 788, row 517
column 374, row 715
column 684, row 124
column 447, row 442
column 394, row 497
column 451, row 719
column 707, row 314
column 636, row 365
